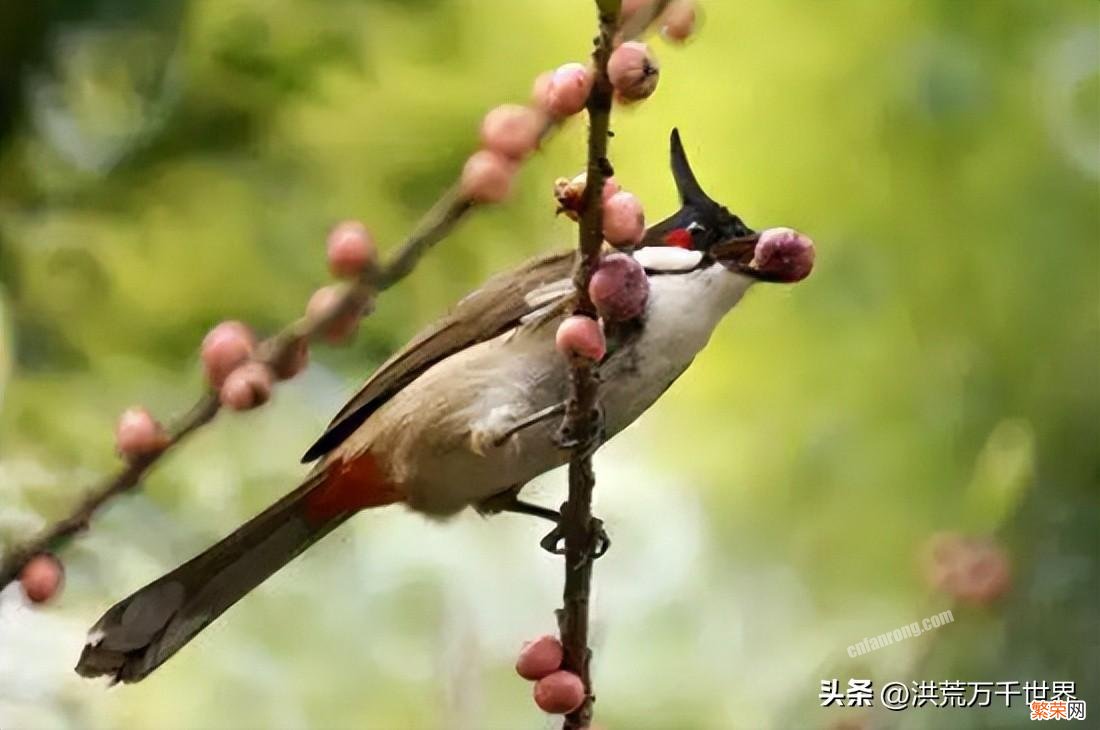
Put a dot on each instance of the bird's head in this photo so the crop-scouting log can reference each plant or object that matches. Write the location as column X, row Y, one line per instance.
column 701, row 224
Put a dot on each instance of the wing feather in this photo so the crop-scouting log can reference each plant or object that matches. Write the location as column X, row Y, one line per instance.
column 494, row 308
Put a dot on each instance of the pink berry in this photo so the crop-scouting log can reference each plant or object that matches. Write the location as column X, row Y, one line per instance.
column 581, row 336
column 487, row 177
column 559, row 693
column 623, row 219
column 41, row 577
column 247, row 387
column 138, row 434
column 784, row 253
column 325, row 300
column 350, row 249
column 569, row 89
column 971, row 569
column 512, row 130
column 224, row 348
column 619, row 288
column 633, row 71
column 678, row 21
column 539, row 658
column 540, row 90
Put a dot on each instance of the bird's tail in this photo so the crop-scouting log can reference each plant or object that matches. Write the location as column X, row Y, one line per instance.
column 141, row 632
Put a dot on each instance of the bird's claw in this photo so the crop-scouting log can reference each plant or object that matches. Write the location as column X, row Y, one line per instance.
column 554, row 541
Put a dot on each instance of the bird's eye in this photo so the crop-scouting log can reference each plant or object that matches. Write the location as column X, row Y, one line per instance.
column 698, row 235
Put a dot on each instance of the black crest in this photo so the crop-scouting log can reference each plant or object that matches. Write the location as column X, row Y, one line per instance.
column 700, row 222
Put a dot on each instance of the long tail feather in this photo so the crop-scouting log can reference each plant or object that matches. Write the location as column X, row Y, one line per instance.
column 140, row 633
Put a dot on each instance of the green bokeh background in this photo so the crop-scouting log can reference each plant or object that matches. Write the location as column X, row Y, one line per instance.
column 167, row 165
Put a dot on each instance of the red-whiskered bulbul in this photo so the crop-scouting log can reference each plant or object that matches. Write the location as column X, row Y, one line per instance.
column 460, row 417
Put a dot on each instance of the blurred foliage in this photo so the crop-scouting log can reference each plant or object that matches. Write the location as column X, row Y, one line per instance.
column 167, row 165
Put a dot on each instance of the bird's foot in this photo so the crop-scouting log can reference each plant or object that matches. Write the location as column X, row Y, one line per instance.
column 554, row 541
column 509, row 501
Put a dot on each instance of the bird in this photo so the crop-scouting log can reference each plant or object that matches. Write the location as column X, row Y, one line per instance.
column 463, row 415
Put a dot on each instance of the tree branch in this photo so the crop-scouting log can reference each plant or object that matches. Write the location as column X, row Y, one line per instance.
column 279, row 348
column 582, row 423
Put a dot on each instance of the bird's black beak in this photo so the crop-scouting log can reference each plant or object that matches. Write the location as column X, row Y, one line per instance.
column 737, row 254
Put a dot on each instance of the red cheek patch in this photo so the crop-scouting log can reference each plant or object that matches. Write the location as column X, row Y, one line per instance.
column 679, row 237
column 349, row 487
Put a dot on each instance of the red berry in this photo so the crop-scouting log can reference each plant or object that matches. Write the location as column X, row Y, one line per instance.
column 559, row 693
column 247, row 387
column 784, row 253
column 487, row 177
column 224, row 348
column 619, row 288
column 138, row 433
column 633, row 71
column 350, row 249
column 623, row 219
column 41, row 577
column 539, row 658
column 512, row 130
column 581, row 336
column 569, row 87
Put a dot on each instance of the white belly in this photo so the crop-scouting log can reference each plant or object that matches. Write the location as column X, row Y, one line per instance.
column 436, row 436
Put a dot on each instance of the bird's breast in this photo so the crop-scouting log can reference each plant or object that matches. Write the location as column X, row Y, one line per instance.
column 448, row 436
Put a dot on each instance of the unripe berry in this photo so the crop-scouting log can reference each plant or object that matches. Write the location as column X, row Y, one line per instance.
column 41, row 577
column 247, row 387
column 138, row 434
column 224, row 348
column 559, row 693
column 619, row 288
column 569, row 193
column 568, row 90
column 350, row 249
column 539, row 658
column 487, row 177
column 324, row 301
column 633, row 71
column 784, row 253
column 678, row 20
column 623, row 219
column 581, row 336
column 512, row 130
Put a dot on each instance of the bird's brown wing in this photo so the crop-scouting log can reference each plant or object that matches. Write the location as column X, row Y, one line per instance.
column 494, row 308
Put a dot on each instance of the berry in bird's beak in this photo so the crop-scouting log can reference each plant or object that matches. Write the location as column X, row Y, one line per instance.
column 784, row 255
column 780, row 255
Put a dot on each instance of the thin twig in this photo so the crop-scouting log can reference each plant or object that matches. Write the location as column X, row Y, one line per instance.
column 581, row 425
column 279, row 348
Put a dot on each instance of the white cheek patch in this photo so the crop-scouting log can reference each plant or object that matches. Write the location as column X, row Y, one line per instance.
column 668, row 258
